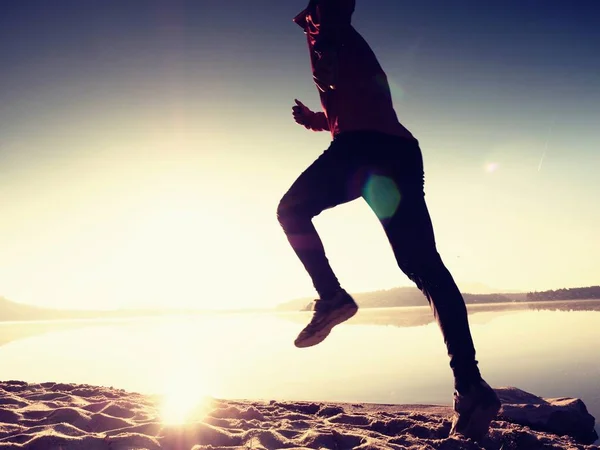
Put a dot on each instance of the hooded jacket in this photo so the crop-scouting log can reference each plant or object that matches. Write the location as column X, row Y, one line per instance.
column 355, row 94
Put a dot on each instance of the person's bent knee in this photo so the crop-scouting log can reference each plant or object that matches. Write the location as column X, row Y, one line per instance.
column 290, row 212
column 286, row 212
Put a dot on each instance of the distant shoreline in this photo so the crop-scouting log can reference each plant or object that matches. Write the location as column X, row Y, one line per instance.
column 42, row 316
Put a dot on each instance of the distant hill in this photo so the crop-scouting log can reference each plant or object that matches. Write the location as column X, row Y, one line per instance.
column 411, row 296
column 403, row 296
column 591, row 292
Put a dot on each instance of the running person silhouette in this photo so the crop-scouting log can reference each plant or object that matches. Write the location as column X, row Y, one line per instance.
column 374, row 157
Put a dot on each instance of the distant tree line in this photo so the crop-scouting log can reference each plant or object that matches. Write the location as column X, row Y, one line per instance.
column 411, row 296
column 592, row 292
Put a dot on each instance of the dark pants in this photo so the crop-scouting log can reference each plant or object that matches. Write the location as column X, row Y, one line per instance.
column 387, row 171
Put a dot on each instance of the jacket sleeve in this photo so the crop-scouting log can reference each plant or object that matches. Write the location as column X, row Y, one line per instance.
column 318, row 122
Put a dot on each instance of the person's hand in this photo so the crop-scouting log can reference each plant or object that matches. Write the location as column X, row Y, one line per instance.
column 302, row 115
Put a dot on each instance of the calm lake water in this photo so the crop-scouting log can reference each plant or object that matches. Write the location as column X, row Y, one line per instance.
column 382, row 355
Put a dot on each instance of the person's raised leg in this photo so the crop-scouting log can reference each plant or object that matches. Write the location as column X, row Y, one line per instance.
column 323, row 185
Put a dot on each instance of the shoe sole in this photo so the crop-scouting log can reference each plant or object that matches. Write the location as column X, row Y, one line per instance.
column 344, row 314
column 479, row 424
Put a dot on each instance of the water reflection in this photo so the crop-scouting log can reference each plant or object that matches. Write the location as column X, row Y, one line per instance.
column 399, row 317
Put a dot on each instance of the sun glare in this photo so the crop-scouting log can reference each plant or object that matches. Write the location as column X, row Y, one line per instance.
column 184, row 402
column 187, row 387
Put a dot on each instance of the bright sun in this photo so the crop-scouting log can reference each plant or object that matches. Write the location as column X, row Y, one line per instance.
column 187, row 389
column 183, row 402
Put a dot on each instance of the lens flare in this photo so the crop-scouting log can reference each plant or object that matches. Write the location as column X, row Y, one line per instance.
column 395, row 88
column 382, row 195
column 491, row 167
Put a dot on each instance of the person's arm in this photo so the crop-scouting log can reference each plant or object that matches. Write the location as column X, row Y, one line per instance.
column 318, row 122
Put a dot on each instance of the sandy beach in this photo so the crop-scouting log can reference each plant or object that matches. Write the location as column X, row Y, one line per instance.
column 57, row 416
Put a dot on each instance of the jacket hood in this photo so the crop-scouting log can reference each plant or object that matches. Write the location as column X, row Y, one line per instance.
column 343, row 8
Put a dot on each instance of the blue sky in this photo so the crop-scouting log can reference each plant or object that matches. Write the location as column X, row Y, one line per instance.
column 144, row 146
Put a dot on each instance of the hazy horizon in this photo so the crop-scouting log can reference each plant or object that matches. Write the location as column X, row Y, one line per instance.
column 144, row 147
column 291, row 304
